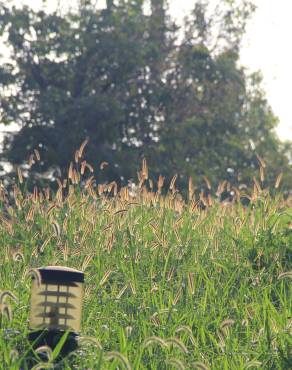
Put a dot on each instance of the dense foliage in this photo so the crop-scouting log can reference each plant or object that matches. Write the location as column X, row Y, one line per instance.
column 169, row 285
column 136, row 85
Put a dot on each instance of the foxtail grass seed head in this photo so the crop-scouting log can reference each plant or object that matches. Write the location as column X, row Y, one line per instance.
column 19, row 175
column 200, row 366
column 118, row 356
column 82, row 147
column 285, row 275
column 278, row 180
column 37, row 155
column 176, row 363
column 155, row 340
column 178, row 344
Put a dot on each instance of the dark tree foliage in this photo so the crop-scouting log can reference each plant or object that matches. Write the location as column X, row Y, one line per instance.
column 135, row 84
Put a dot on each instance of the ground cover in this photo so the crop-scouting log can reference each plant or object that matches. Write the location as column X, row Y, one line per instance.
column 170, row 284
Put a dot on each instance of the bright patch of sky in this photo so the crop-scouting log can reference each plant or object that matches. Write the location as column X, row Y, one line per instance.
column 266, row 47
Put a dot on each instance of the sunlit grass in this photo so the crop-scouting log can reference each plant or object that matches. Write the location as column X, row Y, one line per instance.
column 170, row 284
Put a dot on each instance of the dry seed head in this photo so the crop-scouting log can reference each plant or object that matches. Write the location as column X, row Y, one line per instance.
column 118, row 356
column 191, row 189
column 209, row 200
column 59, row 182
column 31, row 160
column 18, row 256
column 91, row 192
column 188, row 330
column 128, row 331
column 177, row 235
column 90, row 340
column 113, row 186
column 226, row 324
column 257, row 188
column 19, row 175
column 89, row 182
column 86, row 262
column 30, row 214
column 203, row 200
column 137, row 256
column 105, row 277
column 160, row 182
column 155, row 320
column 13, row 355
column 133, row 289
column 221, row 342
column 177, row 343
column 45, row 350
column 261, row 161
column 76, row 156
column 83, row 165
column 200, row 365
column 103, row 165
column 154, row 288
column 43, row 365
column 177, row 297
column 56, row 228
column 35, row 195
column 194, row 205
column 150, row 184
column 284, row 275
column 51, row 208
column 6, row 294
column 37, row 155
column 122, row 291
column 191, row 282
column 144, row 169
column 89, row 167
column 262, row 174
column 5, row 310
column 278, row 180
column 35, row 275
column 252, row 364
column 120, row 211
column 170, row 274
column 70, row 171
column 81, row 149
column 172, row 182
column 207, row 182
column 110, row 243
column 155, row 340
column 47, row 192
column 176, row 363
column 65, row 251
column 75, row 177
column 101, row 188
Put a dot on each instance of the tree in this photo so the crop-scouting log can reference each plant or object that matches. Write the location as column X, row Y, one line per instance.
column 82, row 74
column 130, row 83
column 218, row 122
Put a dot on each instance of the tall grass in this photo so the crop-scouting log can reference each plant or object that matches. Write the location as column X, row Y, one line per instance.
column 170, row 284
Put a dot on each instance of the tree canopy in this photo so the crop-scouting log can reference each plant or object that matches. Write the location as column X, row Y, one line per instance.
column 136, row 85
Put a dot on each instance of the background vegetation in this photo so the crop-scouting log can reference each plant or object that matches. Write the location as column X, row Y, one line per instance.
column 137, row 85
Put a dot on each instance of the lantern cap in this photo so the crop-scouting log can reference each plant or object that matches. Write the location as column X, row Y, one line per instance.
column 60, row 274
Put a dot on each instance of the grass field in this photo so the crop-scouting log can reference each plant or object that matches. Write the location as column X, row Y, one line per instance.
column 169, row 285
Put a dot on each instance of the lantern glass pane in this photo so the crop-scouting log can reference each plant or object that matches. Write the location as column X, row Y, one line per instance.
column 56, row 305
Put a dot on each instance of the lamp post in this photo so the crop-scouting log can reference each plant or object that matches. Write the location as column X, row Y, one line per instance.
column 56, row 307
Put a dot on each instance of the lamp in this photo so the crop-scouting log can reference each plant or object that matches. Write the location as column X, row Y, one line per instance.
column 56, row 306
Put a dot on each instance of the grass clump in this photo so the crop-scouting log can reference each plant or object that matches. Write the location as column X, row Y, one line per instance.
column 169, row 284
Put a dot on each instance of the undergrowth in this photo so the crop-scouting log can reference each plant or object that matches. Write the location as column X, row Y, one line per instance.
column 170, row 284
